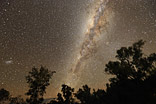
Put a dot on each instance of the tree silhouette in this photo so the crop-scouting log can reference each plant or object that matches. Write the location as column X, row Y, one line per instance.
column 134, row 80
column 4, row 94
column 100, row 97
column 84, row 95
column 38, row 80
column 17, row 100
column 66, row 97
column 87, row 97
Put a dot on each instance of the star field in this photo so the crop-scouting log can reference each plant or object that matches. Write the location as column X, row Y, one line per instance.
column 50, row 33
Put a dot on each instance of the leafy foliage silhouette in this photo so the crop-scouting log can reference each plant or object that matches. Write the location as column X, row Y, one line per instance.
column 38, row 80
column 84, row 95
column 66, row 97
column 87, row 97
column 17, row 100
column 4, row 94
column 135, row 76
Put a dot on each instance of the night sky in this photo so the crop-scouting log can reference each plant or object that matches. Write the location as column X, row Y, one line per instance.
column 75, row 38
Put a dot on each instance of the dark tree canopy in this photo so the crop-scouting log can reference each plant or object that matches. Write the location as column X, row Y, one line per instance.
column 86, row 96
column 66, row 97
column 38, row 80
column 132, row 63
column 135, row 76
column 17, row 100
column 4, row 94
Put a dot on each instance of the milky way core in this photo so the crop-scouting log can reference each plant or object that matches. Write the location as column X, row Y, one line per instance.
column 97, row 27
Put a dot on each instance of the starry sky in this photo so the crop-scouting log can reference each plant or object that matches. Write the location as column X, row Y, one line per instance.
column 52, row 33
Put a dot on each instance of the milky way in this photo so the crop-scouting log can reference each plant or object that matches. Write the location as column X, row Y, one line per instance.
column 96, row 27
